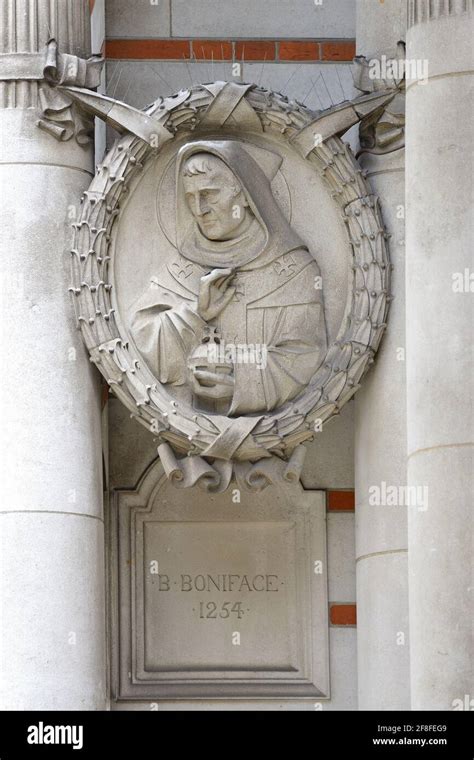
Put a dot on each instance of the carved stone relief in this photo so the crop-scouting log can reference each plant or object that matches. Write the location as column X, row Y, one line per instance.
column 231, row 275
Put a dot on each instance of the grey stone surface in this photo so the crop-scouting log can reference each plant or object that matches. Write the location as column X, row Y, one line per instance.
column 380, row 25
column 53, row 640
column 330, row 459
column 132, row 448
column 65, row 474
column 98, row 26
column 343, row 657
column 341, row 557
column 440, row 222
column 380, row 408
column 440, row 578
column 42, row 150
column 267, row 18
column 440, row 359
column 440, row 37
column 383, row 641
column 140, row 82
column 140, row 18
column 343, row 671
column 378, row 416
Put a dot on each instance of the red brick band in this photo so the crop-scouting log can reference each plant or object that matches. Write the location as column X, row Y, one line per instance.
column 147, row 49
column 340, row 501
column 343, row 614
column 338, row 51
column 254, row 50
column 292, row 50
column 231, row 50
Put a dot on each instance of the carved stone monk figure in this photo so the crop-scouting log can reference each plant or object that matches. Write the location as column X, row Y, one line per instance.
column 242, row 272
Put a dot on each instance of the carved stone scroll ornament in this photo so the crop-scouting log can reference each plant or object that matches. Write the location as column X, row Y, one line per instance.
column 60, row 116
column 207, row 437
column 383, row 130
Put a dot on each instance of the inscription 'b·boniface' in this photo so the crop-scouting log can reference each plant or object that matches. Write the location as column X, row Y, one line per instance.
column 223, row 582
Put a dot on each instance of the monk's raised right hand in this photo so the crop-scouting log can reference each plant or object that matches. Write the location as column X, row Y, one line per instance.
column 215, row 292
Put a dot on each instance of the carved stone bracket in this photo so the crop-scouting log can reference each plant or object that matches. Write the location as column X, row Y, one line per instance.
column 211, row 438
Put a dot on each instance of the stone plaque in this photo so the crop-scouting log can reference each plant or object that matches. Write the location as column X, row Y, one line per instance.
column 220, row 599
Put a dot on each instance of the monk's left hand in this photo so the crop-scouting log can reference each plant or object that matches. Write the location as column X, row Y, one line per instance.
column 212, row 385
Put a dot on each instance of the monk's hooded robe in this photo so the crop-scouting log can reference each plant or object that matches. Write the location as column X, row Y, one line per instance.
column 278, row 301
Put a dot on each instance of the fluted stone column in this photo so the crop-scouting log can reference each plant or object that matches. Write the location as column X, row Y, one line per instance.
column 380, row 429
column 440, row 353
column 51, row 522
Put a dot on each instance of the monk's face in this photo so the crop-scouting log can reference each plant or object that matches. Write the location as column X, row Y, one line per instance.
column 216, row 201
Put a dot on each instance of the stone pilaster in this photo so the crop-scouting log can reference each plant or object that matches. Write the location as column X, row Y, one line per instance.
column 440, row 354
column 52, row 542
column 380, row 421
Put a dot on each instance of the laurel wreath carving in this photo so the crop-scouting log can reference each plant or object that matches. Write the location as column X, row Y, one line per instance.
column 347, row 359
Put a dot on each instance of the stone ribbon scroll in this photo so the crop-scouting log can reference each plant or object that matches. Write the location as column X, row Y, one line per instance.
column 59, row 116
column 55, row 70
